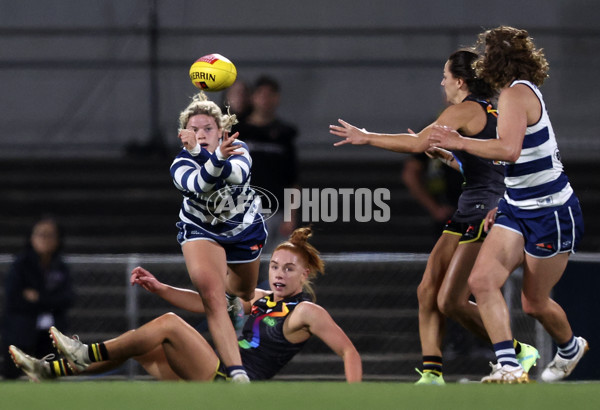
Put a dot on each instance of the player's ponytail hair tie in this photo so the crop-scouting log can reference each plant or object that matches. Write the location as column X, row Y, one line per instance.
column 229, row 120
column 462, row 65
column 298, row 243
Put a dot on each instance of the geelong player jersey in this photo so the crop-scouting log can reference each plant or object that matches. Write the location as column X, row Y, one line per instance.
column 263, row 347
column 536, row 180
column 483, row 179
column 217, row 193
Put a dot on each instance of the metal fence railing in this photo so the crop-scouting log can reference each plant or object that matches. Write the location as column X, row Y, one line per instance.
column 371, row 296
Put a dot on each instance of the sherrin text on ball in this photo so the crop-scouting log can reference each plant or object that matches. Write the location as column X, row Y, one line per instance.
column 213, row 72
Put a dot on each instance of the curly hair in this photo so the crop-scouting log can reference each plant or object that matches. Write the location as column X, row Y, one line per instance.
column 298, row 244
column 202, row 105
column 461, row 66
column 509, row 54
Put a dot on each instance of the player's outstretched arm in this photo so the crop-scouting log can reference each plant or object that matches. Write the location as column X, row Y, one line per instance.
column 182, row 298
column 317, row 321
column 407, row 142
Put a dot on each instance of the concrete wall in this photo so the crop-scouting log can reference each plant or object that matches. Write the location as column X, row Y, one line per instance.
column 76, row 79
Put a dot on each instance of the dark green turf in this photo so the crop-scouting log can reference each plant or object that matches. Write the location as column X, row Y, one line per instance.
column 131, row 395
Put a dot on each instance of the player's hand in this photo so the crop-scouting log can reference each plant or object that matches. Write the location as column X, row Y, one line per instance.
column 490, row 218
column 439, row 153
column 188, row 139
column 227, row 146
column 349, row 134
column 445, row 137
column 143, row 278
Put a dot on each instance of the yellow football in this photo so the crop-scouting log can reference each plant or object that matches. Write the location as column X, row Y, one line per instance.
column 213, row 72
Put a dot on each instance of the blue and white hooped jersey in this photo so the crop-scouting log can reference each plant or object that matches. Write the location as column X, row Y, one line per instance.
column 537, row 180
column 217, row 192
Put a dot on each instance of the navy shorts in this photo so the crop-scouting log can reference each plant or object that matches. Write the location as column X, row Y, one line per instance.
column 469, row 231
column 241, row 248
column 558, row 231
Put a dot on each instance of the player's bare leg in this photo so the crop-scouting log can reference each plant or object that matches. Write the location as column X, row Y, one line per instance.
column 242, row 279
column 186, row 352
column 207, row 267
column 454, row 294
column 157, row 365
column 539, row 277
column 431, row 327
column 167, row 342
column 431, row 319
column 154, row 362
column 501, row 254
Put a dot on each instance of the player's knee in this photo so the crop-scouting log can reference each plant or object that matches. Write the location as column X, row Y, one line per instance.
column 169, row 319
column 447, row 306
column 208, row 285
column 213, row 297
column 426, row 294
column 533, row 308
column 478, row 283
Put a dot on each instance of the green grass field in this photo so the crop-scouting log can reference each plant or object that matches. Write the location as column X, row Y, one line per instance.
column 131, row 395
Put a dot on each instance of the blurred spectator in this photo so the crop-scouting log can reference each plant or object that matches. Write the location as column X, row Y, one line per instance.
column 237, row 100
column 38, row 294
column 434, row 185
column 272, row 144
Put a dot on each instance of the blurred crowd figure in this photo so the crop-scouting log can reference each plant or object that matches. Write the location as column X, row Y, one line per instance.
column 237, row 100
column 272, row 142
column 38, row 294
column 434, row 186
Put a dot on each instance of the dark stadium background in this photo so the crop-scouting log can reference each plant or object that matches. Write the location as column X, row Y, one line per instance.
column 91, row 93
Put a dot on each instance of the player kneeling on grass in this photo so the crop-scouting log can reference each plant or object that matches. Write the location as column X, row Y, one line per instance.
column 279, row 324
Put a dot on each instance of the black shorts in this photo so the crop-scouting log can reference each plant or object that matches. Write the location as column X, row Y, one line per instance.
column 469, row 231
